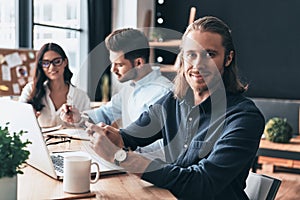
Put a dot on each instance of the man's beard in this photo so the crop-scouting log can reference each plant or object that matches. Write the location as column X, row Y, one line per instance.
column 130, row 75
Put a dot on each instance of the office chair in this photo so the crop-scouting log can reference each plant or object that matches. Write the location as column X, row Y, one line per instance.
column 261, row 187
column 192, row 15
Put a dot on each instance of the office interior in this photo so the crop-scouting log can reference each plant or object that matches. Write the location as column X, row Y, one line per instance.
column 266, row 34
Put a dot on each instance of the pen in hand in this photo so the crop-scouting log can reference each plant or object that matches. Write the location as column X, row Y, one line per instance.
column 70, row 114
column 68, row 109
column 69, row 106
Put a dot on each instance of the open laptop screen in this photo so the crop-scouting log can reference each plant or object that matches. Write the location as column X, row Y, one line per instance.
column 21, row 116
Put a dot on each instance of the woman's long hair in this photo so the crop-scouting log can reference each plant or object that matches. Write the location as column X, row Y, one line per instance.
column 230, row 75
column 40, row 77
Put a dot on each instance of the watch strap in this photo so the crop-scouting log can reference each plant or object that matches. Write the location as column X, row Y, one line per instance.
column 116, row 162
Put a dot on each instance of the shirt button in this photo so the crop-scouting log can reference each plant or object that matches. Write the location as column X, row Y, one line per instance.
column 190, row 119
column 185, row 146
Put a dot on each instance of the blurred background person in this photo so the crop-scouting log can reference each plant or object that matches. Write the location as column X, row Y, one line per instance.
column 51, row 87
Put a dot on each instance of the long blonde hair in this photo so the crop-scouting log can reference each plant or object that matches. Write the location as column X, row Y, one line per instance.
column 230, row 76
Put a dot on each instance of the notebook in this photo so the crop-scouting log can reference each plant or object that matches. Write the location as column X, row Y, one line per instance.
column 21, row 117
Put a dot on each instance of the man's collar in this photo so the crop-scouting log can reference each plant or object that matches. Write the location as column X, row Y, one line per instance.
column 215, row 98
column 146, row 79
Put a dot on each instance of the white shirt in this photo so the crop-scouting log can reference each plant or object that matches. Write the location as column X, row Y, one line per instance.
column 131, row 101
column 49, row 115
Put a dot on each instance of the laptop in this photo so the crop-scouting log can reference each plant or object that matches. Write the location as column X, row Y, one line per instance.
column 21, row 116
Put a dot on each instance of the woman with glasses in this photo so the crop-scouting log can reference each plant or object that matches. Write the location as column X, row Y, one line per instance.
column 51, row 86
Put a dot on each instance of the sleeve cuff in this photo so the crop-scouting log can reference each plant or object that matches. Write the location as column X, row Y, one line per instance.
column 154, row 172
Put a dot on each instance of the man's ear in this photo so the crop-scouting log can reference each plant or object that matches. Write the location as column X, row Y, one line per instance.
column 139, row 62
column 229, row 58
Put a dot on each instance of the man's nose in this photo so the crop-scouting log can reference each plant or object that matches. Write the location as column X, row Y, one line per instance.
column 198, row 62
column 113, row 68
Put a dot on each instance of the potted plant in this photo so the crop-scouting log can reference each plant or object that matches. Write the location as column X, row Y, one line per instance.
column 156, row 35
column 278, row 130
column 13, row 154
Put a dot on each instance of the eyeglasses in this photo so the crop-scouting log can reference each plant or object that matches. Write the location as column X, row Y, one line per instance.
column 58, row 140
column 46, row 63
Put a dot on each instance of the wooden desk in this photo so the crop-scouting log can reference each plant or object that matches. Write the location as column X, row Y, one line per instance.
column 279, row 154
column 34, row 184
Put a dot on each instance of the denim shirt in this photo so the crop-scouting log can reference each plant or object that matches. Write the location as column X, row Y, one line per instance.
column 209, row 147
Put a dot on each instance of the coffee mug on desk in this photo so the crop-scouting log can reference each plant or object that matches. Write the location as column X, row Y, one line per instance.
column 77, row 174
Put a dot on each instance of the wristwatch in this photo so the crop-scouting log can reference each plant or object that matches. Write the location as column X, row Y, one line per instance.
column 120, row 156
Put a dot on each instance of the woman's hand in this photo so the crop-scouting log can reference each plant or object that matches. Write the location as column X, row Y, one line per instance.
column 37, row 113
column 70, row 114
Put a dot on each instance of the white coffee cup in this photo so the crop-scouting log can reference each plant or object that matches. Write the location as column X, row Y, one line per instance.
column 77, row 174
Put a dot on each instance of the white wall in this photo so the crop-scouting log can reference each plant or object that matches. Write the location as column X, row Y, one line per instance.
column 81, row 77
column 130, row 13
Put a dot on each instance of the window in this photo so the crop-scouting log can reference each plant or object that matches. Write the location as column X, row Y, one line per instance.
column 7, row 24
column 58, row 21
column 61, row 21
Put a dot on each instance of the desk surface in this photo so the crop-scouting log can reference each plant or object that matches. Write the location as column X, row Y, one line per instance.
column 34, row 184
column 293, row 145
column 289, row 150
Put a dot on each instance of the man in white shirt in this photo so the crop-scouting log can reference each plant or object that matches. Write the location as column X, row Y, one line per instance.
column 132, row 99
column 129, row 54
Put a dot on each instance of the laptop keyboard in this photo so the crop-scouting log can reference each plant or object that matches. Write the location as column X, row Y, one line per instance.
column 58, row 162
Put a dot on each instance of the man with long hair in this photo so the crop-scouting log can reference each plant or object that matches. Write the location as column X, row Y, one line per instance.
column 210, row 130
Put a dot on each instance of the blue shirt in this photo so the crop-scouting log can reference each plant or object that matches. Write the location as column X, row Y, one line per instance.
column 209, row 147
column 131, row 101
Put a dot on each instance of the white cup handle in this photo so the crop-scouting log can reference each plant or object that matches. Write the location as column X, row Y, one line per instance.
column 97, row 174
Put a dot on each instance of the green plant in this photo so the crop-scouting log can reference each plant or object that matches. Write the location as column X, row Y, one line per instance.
column 278, row 130
column 157, row 35
column 12, row 152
